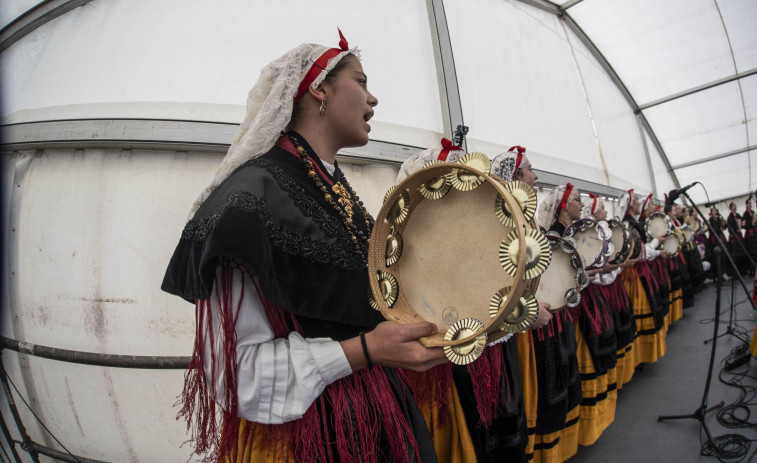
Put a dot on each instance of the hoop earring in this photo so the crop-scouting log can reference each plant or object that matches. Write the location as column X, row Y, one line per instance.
column 322, row 110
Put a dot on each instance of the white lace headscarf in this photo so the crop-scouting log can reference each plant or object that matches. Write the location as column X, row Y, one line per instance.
column 592, row 205
column 624, row 202
column 270, row 104
column 550, row 206
column 506, row 164
column 418, row 161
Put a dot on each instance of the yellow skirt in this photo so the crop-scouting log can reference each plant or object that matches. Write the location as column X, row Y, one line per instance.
column 676, row 305
column 753, row 345
column 626, row 365
column 452, row 442
column 527, row 360
column 647, row 347
column 558, row 446
column 600, row 395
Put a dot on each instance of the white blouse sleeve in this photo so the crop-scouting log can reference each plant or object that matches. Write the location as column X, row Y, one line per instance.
column 651, row 249
column 278, row 379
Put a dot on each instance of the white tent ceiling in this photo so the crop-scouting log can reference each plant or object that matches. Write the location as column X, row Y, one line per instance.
column 576, row 82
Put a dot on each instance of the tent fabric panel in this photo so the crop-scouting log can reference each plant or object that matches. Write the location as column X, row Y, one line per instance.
column 12, row 9
column 522, row 87
column 663, row 181
column 615, row 123
column 722, row 178
column 700, row 125
column 740, row 18
column 658, row 48
column 749, row 89
column 92, row 55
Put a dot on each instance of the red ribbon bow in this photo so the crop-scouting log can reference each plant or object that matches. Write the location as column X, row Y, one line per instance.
column 565, row 196
column 447, row 146
column 519, row 158
column 319, row 65
column 593, row 204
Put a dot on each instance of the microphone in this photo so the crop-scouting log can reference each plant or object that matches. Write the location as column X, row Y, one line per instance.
column 674, row 194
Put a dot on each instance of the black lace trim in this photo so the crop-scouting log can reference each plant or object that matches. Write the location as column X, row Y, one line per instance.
column 341, row 254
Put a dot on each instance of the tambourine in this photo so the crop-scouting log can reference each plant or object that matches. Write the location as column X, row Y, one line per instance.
column 688, row 233
column 673, row 242
column 592, row 241
column 621, row 241
column 455, row 219
column 636, row 243
column 658, row 224
column 562, row 282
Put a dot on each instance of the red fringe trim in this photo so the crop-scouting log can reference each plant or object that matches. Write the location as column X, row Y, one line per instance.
column 362, row 404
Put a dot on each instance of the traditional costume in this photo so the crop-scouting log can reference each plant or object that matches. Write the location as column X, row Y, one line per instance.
column 475, row 411
column 648, row 288
column 274, row 259
column 597, row 349
column 553, row 434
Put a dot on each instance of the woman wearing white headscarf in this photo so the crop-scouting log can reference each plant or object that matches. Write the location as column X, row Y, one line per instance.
column 596, row 337
column 647, row 286
column 274, row 258
column 474, row 411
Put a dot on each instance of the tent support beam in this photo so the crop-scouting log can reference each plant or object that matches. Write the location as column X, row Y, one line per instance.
column 716, row 157
column 452, row 106
column 698, row 89
column 35, row 18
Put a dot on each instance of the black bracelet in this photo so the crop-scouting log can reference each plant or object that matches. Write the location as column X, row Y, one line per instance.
column 365, row 349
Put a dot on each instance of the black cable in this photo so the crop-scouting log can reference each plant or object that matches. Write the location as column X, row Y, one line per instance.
column 36, row 417
column 732, row 448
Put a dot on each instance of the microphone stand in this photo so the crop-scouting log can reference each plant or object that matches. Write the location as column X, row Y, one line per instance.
column 699, row 413
column 725, row 252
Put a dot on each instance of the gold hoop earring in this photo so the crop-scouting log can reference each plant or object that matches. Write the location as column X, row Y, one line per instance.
column 322, row 110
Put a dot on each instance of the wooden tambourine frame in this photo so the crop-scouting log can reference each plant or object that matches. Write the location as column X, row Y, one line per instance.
column 447, row 248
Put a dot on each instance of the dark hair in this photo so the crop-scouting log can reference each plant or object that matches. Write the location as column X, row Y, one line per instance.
column 668, row 208
column 731, row 204
column 343, row 63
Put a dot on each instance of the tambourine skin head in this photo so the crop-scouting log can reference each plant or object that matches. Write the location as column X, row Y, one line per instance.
column 418, row 239
column 562, row 279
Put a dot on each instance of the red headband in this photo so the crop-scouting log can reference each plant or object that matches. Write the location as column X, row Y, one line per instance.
column 519, row 158
column 594, row 203
column 447, row 146
column 319, row 65
column 565, row 196
column 644, row 206
column 630, row 197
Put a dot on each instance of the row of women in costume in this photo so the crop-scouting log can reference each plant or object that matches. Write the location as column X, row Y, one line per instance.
column 291, row 363
column 742, row 238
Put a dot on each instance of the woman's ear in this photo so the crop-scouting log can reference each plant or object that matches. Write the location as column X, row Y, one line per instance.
column 319, row 93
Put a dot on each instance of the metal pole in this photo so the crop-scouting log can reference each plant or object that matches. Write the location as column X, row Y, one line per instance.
column 9, row 439
column 26, row 441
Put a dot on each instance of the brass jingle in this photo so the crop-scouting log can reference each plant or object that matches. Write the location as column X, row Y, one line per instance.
column 399, row 210
column 538, row 253
column 477, row 160
column 372, row 301
column 572, row 297
column 463, row 354
column 508, row 253
column 503, row 213
column 569, row 245
column 435, row 188
column 464, row 180
column 575, row 261
column 389, row 192
column 583, row 280
column 393, row 247
column 388, row 287
column 525, row 195
column 523, row 314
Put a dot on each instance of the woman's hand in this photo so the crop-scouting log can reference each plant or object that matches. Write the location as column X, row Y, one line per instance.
column 543, row 317
column 395, row 345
